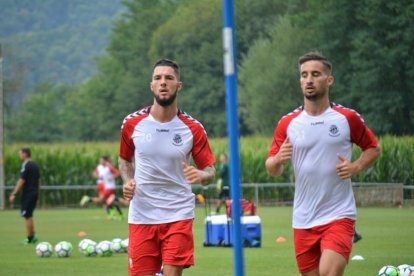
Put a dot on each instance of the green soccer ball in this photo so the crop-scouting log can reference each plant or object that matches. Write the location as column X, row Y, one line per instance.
column 103, row 249
column 44, row 249
column 405, row 270
column 124, row 244
column 63, row 249
column 116, row 246
column 388, row 270
column 87, row 247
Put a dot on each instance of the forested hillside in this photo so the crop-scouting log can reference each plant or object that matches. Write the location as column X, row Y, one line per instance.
column 52, row 40
column 370, row 43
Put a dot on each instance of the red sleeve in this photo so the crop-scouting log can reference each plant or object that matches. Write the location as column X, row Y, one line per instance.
column 280, row 134
column 278, row 138
column 360, row 133
column 126, row 147
column 202, row 155
column 201, row 151
column 114, row 171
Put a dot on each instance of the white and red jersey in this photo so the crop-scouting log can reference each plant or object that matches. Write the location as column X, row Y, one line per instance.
column 99, row 171
column 106, row 176
column 162, row 194
column 320, row 195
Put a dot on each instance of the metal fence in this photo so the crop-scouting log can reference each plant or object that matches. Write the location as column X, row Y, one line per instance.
column 262, row 194
column 366, row 194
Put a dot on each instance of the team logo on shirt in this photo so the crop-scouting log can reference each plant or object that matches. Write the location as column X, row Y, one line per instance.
column 334, row 131
column 177, row 140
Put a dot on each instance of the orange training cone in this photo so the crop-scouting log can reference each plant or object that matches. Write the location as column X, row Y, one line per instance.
column 201, row 199
column 281, row 239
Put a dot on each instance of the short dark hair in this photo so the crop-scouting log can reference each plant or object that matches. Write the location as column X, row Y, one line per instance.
column 106, row 158
column 26, row 151
column 170, row 63
column 315, row 56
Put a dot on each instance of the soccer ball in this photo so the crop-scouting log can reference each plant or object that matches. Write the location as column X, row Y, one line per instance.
column 80, row 244
column 44, row 249
column 405, row 270
column 124, row 244
column 388, row 270
column 63, row 249
column 104, row 249
column 87, row 247
column 116, row 246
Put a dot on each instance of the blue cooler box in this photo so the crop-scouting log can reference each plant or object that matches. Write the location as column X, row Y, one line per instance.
column 215, row 227
column 251, row 232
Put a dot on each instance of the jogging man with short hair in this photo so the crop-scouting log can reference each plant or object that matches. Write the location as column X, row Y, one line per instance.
column 29, row 183
column 157, row 144
column 317, row 138
column 106, row 174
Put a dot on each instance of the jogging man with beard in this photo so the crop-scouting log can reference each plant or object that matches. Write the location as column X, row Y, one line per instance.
column 156, row 148
column 317, row 138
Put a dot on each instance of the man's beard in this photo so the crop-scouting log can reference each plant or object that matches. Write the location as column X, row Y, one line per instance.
column 313, row 98
column 166, row 101
column 316, row 96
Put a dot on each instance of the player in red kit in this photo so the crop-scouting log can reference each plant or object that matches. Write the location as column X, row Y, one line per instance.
column 317, row 138
column 156, row 147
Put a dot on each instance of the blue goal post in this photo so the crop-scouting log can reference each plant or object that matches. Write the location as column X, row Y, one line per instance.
column 230, row 74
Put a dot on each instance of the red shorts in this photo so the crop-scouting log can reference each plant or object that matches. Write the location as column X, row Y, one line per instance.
column 151, row 246
column 101, row 189
column 109, row 192
column 310, row 243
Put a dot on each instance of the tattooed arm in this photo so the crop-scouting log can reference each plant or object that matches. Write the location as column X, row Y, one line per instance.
column 127, row 170
column 193, row 175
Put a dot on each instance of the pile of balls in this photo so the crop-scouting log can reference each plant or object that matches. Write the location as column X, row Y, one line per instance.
column 401, row 270
column 87, row 247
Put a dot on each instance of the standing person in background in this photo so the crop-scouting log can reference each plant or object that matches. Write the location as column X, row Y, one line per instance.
column 29, row 183
column 156, row 147
column 224, row 189
column 318, row 138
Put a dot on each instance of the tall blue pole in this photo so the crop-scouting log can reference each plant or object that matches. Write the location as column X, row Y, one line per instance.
column 230, row 73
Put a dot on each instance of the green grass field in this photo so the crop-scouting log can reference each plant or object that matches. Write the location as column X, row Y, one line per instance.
column 388, row 238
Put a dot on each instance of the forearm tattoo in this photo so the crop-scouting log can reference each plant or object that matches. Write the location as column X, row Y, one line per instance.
column 126, row 169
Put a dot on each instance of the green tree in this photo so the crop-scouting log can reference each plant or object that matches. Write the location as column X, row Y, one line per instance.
column 53, row 40
column 39, row 120
column 369, row 43
column 121, row 86
column 269, row 84
column 88, row 113
column 382, row 65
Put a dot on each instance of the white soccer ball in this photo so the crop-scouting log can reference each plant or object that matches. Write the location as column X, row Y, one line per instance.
column 63, row 249
column 124, row 244
column 81, row 243
column 388, row 270
column 405, row 270
column 116, row 246
column 44, row 249
column 104, row 249
column 87, row 247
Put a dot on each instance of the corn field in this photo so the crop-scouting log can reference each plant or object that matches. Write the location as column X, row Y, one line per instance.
column 72, row 164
